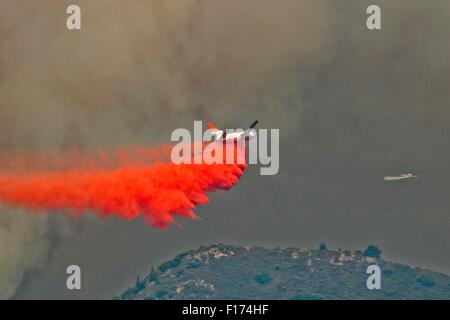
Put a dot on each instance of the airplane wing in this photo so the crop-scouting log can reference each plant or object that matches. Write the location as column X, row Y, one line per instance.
column 250, row 128
column 253, row 125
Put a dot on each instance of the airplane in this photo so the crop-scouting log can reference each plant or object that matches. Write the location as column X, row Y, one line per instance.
column 401, row 177
column 223, row 135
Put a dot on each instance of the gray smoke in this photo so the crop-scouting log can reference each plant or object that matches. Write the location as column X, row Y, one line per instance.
column 23, row 246
column 352, row 105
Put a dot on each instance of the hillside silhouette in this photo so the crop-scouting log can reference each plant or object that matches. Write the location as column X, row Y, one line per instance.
column 233, row 272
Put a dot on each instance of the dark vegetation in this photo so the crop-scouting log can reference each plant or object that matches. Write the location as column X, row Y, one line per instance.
column 232, row 272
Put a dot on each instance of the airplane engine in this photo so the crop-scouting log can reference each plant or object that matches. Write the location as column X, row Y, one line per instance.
column 251, row 134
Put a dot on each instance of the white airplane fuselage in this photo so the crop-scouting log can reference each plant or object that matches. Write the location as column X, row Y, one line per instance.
column 401, row 177
column 234, row 137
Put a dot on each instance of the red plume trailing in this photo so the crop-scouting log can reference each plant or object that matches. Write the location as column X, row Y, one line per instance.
column 128, row 183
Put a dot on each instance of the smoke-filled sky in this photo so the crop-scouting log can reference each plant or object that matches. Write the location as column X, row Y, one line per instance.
column 352, row 106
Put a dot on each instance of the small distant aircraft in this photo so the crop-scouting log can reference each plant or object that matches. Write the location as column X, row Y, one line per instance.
column 402, row 176
column 223, row 135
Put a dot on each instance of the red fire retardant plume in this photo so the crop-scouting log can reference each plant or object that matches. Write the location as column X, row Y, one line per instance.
column 126, row 183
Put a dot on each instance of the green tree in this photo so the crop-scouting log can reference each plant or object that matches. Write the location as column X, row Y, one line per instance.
column 263, row 278
column 372, row 251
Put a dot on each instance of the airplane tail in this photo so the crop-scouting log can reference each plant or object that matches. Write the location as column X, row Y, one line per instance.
column 212, row 127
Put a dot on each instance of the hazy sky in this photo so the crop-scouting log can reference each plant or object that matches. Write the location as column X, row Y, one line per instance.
column 352, row 106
